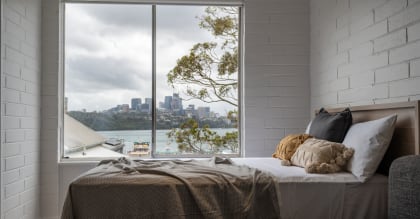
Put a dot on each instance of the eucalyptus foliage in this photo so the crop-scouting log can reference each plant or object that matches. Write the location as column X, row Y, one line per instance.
column 209, row 73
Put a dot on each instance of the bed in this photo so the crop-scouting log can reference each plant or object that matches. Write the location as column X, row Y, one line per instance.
column 277, row 191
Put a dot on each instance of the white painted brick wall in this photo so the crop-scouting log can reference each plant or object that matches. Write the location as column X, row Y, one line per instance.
column 405, row 53
column 276, row 94
column 405, row 87
column 415, row 68
column 413, row 32
column 365, row 35
column 340, row 84
column 11, row 96
column 389, row 74
column 361, row 51
column 362, row 79
column 361, row 22
column 409, row 15
column 391, row 40
column 388, row 9
column 14, row 135
column 365, row 64
column 392, row 73
column 11, row 149
column 20, row 114
column 412, row 1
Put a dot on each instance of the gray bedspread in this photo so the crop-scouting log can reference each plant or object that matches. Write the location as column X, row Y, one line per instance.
column 210, row 188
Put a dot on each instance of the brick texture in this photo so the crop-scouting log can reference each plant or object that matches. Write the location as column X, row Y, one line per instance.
column 21, row 52
column 279, row 83
column 387, row 73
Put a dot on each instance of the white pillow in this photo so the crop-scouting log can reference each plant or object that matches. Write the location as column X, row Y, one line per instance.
column 308, row 127
column 370, row 141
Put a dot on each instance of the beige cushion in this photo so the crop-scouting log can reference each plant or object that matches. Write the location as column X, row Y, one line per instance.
column 288, row 145
column 321, row 156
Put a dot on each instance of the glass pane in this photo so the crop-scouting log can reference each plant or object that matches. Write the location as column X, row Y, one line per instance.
column 108, row 75
column 197, row 80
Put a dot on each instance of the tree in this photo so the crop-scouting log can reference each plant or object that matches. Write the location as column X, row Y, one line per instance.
column 191, row 138
column 210, row 74
column 215, row 74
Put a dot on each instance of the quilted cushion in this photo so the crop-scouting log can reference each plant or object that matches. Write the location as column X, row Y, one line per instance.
column 288, row 145
column 321, row 156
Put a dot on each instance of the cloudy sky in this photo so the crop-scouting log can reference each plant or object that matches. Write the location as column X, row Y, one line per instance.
column 108, row 52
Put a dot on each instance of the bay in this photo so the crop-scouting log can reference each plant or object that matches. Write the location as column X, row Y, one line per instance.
column 163, row 144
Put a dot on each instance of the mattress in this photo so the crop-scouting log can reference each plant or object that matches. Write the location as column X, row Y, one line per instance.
column 212, row 188
column 334, row 196
column 302, row 195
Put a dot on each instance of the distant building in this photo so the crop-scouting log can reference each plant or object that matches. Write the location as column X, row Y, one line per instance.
column 191, row 107
column 144, row 108
column 203, row 112
column 125, row 108
column 168, row 103
column 190, row 111
column 149, row 101
column 135, row 103
column 176, row 104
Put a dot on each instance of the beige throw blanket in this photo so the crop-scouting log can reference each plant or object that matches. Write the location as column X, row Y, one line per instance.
column 210, row 188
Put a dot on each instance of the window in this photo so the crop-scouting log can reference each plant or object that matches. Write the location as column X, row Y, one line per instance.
column 151, row 80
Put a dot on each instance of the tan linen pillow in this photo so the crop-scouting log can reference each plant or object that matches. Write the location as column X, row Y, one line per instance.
column 321, row 156
column 288, row 145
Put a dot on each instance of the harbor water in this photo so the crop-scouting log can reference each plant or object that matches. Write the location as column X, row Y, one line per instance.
column 163, row 143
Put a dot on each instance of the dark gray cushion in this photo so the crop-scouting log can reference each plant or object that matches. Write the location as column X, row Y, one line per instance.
column 331, row 127
column 404, row 188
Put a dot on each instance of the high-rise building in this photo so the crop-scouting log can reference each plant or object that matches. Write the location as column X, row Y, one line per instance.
column 168, row 102
column 135, row 103
column 203, row 112
column 190, row 111
column 176, row 103
column 149, row 101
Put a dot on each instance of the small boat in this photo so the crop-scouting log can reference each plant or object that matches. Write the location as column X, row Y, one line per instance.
column 140, row 149
column 114, row 144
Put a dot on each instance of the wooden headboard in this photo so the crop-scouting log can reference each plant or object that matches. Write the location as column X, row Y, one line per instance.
column 405, row 140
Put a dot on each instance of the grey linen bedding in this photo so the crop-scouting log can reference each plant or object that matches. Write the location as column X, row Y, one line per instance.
column 210, row 188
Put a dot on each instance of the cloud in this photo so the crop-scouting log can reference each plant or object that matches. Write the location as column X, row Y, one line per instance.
column 181, row 21
column 90, row 74
column 122, row 15
column 108, row 51
column 127, row 17
column 100, row 100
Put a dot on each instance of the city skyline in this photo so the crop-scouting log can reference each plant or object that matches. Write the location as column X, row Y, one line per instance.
column 136, row 104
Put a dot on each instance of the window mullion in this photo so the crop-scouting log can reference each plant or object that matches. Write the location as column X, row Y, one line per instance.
column 154, row 112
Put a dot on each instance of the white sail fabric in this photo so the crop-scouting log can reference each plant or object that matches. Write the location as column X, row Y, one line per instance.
column 77, row 135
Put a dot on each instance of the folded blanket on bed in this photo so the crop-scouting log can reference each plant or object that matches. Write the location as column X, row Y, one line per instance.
column 209, row 188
